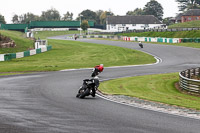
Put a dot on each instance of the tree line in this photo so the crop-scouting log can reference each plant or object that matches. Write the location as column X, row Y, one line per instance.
column 99, row 17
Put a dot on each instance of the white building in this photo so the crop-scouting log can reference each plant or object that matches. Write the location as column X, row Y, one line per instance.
column 124, row 23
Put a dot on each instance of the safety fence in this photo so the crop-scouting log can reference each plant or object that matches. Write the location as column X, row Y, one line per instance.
column 142, row 39
column 9, row 56
column 163, row 30
column 153, row 39
column 190, row 80
column 102, row 36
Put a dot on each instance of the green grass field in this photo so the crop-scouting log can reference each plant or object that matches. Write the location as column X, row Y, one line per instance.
column 45, row 34
column 167, row 34
column 191, row 24
column 74, row 54
column 159, row 88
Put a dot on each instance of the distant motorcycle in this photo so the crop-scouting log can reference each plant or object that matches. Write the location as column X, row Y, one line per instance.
column 75, row 36
column 140, row 44
column 88, row 87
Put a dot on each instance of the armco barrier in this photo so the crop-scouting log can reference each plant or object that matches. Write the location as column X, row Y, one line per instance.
column 19, row 54
column 26, row 53
column 32, row 52
column 9, row 56
column 13, row 55
column 145, row 39
column 1, row 57
column 38, row 51
column 188, row 80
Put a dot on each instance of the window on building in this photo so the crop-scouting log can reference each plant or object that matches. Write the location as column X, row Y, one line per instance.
column 197, row 18
column 189, row 18
column 133, row 24
column 123, row 24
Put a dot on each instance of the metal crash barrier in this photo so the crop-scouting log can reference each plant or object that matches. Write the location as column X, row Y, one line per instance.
column 190, row 80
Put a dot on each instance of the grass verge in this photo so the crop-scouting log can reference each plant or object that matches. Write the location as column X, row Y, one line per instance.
column 22, row 43
column 159, row 88
column 74, row 54
column 45, row 34
column 191, row 24
column 191, row 45
column 167, row 34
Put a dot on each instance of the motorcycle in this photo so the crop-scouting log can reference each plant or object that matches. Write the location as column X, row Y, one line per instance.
column 88, row 87
column 141, row 45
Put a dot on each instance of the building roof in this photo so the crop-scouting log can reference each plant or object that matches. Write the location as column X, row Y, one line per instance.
column 178, row 16
column 142, row 19
column 192, row 12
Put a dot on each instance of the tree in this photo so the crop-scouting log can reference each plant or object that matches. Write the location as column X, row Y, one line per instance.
column 88, row 15
column 50, row 15
column 104, row 15
column 84, row 25
column 168, row 21
column 98, row 14
column 15, row 19
column 2, row 19
column 137, row 11
column 24, row 18
column 68, row 16
column 154, row 8
column 188, row 4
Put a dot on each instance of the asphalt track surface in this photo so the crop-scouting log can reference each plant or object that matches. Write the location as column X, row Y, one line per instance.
column 46, row 103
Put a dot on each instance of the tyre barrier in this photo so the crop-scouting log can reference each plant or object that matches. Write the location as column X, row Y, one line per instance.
column 10, row 56
column 189, row 80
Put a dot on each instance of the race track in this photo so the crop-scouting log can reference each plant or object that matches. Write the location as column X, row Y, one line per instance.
column 46, row 103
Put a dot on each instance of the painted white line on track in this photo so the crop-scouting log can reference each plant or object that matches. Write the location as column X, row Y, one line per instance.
column 158, row 60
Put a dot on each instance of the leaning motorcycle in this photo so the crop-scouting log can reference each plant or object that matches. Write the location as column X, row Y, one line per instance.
column 141, row 45
column 88, row 87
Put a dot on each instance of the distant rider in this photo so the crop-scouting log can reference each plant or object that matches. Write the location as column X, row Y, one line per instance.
column 140, row 44
column 97, row 69
column 75, row 37
column 95, row 80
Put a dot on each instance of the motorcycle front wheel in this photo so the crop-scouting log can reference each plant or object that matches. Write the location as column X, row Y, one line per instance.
column 82, row 93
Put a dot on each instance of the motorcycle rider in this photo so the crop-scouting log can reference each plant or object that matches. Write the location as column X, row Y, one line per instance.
column 93, row 85
column 98, row 68
column 75, row 37
column 140, row 44
column 95, row 80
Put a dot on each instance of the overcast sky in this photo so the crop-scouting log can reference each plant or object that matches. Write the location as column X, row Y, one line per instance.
column 119, row 7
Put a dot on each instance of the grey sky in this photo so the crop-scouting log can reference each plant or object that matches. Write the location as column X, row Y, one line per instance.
column 119, row 7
